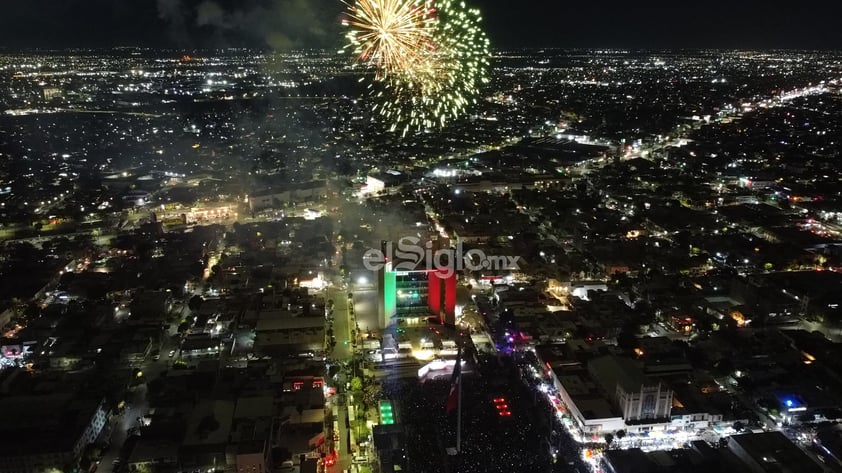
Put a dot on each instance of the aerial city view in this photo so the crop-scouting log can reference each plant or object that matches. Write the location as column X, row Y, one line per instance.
column 459, row 237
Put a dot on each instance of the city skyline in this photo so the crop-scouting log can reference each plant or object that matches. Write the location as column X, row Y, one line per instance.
column 374, row 236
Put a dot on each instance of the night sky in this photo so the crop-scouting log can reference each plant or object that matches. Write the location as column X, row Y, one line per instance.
column 284, row 24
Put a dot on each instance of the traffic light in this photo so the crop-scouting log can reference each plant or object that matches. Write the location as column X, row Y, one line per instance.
column 502, row 407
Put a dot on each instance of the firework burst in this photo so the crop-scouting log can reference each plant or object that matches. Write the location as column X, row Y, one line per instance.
column 389, row 35
column 439, row 78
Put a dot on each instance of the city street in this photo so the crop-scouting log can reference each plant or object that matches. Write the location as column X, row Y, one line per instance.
column 341, row 323
column 136, row 407
column 342, row 352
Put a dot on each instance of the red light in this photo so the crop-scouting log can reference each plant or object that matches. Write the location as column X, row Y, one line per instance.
column 330, row 460
column 501, row 406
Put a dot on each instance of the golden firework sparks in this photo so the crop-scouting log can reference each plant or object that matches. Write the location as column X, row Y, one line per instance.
column 426, row 79
column 390, row 35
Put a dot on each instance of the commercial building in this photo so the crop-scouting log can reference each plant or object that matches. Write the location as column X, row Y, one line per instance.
column 390, row 447
column 588, row 407
column 47, row 431
column 278, row 198
column 279, row 331
column 769, row 452
column 641, row 399
column 251, row 432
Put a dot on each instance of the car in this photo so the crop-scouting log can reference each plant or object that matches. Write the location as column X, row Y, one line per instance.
column 157, row 357
column 287, row 465
column 172, row 353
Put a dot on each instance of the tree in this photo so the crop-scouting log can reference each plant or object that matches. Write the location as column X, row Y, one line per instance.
column 356, row 384
column 620, row 434
column 738, row 426
column 627, row 339
column 182, row 327
column 609, row 439
column 208, row 424
column 472, row 319
column 361, row 428
column 724, row 367
column 704, row 324
column 194, row 303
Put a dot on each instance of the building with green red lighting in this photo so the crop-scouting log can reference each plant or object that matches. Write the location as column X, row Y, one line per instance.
column 416, row 294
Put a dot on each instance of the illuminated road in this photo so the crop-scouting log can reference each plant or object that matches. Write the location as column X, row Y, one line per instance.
column 343, row 352
column 365, row 310
column 341, row 323
column 136, row 406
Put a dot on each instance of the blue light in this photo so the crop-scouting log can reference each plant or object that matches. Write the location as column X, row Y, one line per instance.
column 789, row 403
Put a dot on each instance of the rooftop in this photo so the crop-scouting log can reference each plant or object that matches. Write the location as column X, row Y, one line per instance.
column 774, row 453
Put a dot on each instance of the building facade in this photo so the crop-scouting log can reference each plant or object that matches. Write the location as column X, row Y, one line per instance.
column 648, row 402
column 412, row 296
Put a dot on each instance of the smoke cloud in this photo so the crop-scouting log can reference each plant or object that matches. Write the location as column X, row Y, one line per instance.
column 173, row 13
column 209, row 13
column 277, row 24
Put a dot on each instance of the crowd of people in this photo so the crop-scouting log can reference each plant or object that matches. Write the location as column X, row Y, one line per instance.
column 489, row 442
column 567, row 451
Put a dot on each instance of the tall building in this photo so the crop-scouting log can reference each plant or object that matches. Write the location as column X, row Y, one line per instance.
column 414, row 295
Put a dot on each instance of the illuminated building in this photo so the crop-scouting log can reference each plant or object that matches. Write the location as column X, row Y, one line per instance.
column 372, row 186
column 387, row 415
column 414, row 295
